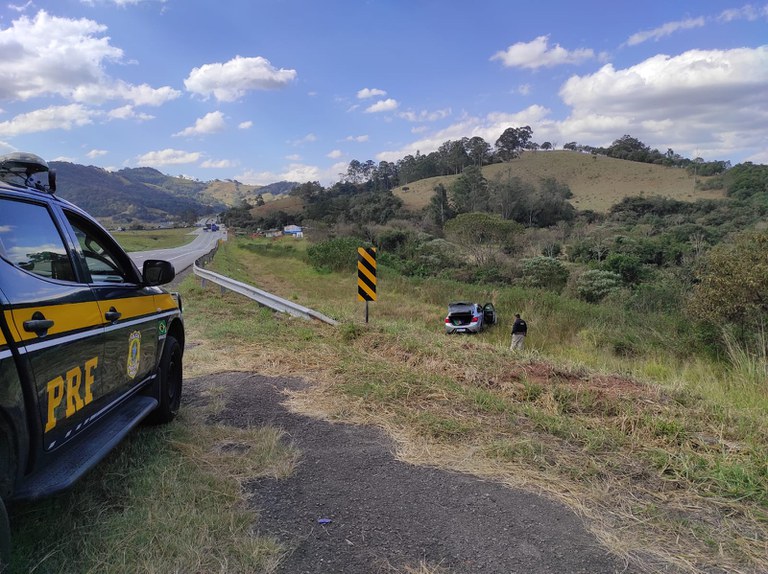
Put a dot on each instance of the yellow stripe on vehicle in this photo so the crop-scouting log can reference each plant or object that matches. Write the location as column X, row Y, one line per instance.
column 66, row 318
column 131, row 307
column 165, row 302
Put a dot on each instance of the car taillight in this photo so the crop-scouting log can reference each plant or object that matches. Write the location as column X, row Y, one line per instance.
column 447, row 320
column 475, row 319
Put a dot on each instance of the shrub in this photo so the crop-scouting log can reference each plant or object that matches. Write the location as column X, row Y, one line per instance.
column 545, row 273
column 629, row 267
column 595, row 284
column 338, row 254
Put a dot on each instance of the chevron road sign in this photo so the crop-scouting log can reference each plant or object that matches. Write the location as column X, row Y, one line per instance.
column 366, row 274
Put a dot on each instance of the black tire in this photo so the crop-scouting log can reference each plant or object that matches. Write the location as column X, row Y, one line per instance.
column 5, row 539
column 170, row 375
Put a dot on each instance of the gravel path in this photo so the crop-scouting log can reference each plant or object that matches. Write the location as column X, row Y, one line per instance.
column 351, row 507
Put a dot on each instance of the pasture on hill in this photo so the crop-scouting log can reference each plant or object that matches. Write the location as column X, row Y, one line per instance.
column 597, row 181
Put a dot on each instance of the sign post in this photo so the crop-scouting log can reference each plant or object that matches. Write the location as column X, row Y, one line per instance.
column 366, row 276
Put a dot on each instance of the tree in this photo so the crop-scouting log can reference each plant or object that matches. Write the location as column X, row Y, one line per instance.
column 513, row 140
column 732, row 282
column 509, row 196
column 627, row 147
column 478, row 150
column 481, row 235
column 469, row 191
column 439, row 207
column 546, row 146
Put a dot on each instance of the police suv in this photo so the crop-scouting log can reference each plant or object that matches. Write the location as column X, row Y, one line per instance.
column 89, row 346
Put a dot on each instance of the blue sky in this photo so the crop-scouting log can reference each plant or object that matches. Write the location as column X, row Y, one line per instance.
column 269, row 90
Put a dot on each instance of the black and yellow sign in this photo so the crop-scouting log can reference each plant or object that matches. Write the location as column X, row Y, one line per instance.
column 366, row 274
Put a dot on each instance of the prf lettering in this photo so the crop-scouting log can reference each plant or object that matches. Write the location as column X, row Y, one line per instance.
column 76, row 387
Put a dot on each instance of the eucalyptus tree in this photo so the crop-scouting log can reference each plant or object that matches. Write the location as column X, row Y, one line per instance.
column 469, row 192
column 478, row 150
column 512, row 141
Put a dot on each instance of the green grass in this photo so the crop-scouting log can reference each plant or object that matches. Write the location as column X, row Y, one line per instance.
column 683, row 437
column 145, row 240
column 167, row 500
column 662, row 453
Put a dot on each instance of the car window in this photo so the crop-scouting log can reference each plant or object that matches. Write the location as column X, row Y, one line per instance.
column 30, row 239
column 105, row 261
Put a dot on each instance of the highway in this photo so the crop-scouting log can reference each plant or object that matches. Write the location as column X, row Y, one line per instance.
column 184, row 256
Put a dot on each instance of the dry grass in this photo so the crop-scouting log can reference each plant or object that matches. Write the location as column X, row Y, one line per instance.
column 648, row 467
column 597, row 182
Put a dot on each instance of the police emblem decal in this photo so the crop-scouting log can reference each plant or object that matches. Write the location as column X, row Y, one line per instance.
column 134, row 355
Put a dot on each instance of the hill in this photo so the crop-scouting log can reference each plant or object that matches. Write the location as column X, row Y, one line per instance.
column 145, row 195
column 597, row 181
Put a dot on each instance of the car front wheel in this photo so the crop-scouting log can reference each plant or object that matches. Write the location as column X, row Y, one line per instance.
column 170, row 383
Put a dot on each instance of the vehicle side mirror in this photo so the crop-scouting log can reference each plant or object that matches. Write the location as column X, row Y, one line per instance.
column 158, row 272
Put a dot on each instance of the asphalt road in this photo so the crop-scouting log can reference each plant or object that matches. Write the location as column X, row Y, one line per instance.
column 182, row 257
column 352, row 507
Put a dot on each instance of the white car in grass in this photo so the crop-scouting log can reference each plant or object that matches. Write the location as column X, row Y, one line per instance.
column 465, row 317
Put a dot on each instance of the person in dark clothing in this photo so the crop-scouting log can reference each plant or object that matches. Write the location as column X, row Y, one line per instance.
column 519, row 331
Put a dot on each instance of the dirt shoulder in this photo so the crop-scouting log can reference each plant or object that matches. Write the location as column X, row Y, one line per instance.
column 352, row 507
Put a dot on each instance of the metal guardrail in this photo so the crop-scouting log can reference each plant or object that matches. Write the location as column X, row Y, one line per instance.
column 258, row 295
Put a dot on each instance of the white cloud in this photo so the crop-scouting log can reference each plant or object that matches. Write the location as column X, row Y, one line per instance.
column 748, row 12
column 387, row 105
column 96, row 153
column 51, row 118
column 167, row 157
column 335, row 154
column 47, row 55
column 21, row 7
column 665, row 30
column 713, row 100
column 142, row 95
column 358, row 139
column 218, row 164
column 293, row 157
column 425, row 116
column 309, row 138
column 245, row 125
column 231, row 80
column 128, row 112
column 524, row 89
column 120, row 2
column 210, row 123
column 538, row 54
column 294, row 172
column 370, row 93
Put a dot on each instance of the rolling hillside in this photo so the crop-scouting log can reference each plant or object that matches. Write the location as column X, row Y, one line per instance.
column 145, row 195
column 597, row 182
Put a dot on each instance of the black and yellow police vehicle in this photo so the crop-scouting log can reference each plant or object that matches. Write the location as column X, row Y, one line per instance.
column 89, row 345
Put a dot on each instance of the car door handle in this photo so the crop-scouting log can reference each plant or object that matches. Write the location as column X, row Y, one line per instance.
column 112, row 315
column 38, row 324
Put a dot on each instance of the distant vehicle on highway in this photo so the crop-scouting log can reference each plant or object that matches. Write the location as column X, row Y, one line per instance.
column 465, row 317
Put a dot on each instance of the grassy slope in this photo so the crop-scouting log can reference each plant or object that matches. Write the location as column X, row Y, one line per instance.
column 597, row 182
column 653, row 450
column 231, row 193
column 664, row 458
column 145, row 240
